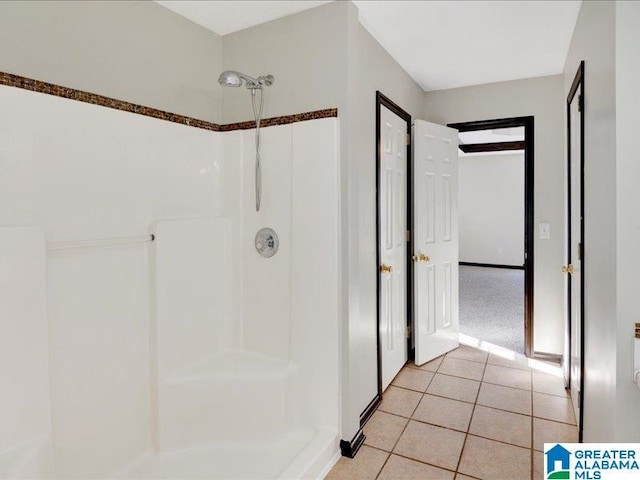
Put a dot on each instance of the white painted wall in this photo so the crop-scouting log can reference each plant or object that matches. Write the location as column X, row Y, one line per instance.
column 371, row 68
column 324, row 58
column 543, row 98
column 491, row 208
column 594, row 42
column 305, row 53
column 136, row 51
column 627, row 38
column 606, row 38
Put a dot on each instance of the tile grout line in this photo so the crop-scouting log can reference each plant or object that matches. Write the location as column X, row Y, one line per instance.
column 413, row 460
column 531, row 461
column 405, row 427
column 482, row 405
column 473, row 411
column 509, row 411
column 497, row 441
column 531, row 389
column 455, row 430
column 467, row 433
column 392, row 452
column 438, row 373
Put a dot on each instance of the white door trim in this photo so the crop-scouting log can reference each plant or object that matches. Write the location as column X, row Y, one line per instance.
column 382, row 100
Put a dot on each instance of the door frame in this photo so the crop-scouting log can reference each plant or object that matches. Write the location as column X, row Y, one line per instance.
column 577, row 85
column 529, row 228
column 383, row 100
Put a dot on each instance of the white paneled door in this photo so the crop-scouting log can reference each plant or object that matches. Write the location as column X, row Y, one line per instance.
column 435, row 240
column 393, row 245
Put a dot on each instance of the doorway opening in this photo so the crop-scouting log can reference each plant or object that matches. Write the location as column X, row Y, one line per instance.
column 417, row 244
column 496, row 164
column 393, row 244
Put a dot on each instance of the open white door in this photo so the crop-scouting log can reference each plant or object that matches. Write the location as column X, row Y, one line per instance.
column 435, row 239
column 393, row 244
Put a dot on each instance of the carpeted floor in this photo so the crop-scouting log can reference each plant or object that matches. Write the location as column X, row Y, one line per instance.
column 492, row 305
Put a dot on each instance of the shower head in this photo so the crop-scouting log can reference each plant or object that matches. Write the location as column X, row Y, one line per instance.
column 231, row 78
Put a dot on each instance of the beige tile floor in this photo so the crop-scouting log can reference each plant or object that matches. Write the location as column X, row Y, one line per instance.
column 474, row 413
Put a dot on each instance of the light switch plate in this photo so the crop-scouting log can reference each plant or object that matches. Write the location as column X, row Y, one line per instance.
column 545, row 231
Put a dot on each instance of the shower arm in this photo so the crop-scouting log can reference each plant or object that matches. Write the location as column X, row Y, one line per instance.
column 232, row 78
column 258, row 83
column 254, row 84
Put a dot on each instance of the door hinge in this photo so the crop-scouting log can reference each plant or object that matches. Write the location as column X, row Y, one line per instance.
column 408, row 139
column 580, row 102
column 408, row 332
column 407, row 235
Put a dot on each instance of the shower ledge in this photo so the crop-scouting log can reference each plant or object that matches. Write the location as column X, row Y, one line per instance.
column 231, row 364
column 302, row 453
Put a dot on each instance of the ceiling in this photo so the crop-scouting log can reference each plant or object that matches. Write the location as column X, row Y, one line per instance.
column 228, row 16
column 441, row 44
column 448, row 44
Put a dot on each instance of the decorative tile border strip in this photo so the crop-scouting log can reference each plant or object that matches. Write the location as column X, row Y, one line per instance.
column 284, row 120
column 25, row 83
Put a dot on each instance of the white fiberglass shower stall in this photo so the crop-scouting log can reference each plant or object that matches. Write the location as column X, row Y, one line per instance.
column 189, row 356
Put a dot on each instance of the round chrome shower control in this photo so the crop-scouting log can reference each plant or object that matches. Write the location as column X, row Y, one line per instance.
column 267, row 242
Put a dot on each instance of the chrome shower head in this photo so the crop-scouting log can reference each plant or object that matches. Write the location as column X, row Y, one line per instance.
column 231, row 78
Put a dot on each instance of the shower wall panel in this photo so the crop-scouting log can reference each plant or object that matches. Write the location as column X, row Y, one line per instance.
column 193, row 260
column 316, row 290
column 84, row 172
column 26, row 448
column 290, row 302
column 266, row 286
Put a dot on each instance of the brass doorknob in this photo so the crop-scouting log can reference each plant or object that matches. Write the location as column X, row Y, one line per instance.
column 421, row 258
column 567, row 269
column 384, row 268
